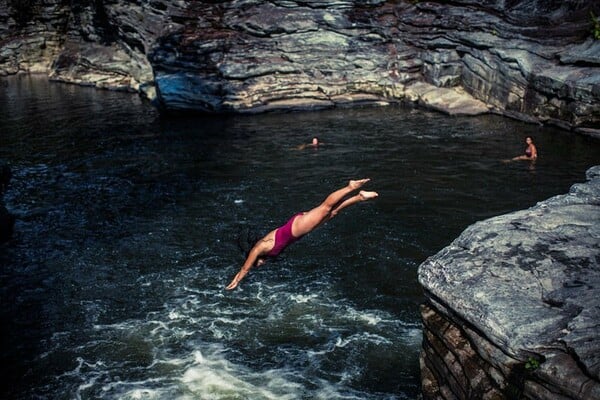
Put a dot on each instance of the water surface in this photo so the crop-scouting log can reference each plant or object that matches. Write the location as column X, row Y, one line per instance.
column 129, row 227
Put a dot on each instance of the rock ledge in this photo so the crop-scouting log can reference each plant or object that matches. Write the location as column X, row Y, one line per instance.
column 512, row 306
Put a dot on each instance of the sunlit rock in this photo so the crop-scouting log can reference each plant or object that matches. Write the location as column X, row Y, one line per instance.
column 450, row 101
column 515, row 297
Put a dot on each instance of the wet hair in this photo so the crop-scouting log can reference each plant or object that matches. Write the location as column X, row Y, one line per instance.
column 246, row 240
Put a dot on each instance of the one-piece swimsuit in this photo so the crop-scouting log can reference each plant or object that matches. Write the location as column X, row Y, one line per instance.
column 284, row 237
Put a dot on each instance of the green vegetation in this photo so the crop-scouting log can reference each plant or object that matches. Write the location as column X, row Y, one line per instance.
column 517, row 377
column 595, row 26
column 532, row 364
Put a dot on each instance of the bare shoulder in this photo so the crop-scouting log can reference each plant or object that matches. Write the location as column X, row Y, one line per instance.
column 265, row 244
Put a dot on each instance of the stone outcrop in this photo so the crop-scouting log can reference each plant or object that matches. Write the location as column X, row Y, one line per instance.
column 89, row 42
column 512, row 306
column 534, row 60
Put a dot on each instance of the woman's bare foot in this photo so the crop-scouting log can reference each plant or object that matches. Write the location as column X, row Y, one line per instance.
column 364, row 195
column 358, row 183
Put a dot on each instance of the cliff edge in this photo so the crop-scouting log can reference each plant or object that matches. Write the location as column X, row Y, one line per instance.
column 535, row 60
column 513, row 307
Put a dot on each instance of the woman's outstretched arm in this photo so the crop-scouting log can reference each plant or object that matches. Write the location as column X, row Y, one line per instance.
column 259, row 249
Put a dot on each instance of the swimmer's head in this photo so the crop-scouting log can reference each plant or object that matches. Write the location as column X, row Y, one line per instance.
column 315, row 141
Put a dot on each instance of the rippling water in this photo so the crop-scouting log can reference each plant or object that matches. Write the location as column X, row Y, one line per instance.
column 129, row 227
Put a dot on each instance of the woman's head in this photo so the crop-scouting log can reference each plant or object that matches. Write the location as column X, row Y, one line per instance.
column 315, row 141
column 528, row 140
column 246, row 241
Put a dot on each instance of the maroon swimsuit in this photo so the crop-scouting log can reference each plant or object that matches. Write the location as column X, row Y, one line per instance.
column 283, row 237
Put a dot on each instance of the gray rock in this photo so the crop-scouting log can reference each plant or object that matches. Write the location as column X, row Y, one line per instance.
column 450, row 101
column 529, row 282
column 527, row 59
column 587, row 52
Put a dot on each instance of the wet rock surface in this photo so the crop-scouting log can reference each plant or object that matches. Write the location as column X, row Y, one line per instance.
column 534, row 60
column 512, row 304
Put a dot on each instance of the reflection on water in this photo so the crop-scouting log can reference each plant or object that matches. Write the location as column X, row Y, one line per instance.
column 128, row 229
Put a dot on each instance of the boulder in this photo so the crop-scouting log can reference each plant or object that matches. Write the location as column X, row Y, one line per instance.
column 515, row 297
column 451, row 101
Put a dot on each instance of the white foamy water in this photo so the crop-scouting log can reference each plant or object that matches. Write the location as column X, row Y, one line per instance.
column 188, row 351
column 196, row 346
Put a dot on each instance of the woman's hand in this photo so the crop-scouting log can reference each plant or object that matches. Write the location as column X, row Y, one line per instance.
column 257, row 251
column 233, row 284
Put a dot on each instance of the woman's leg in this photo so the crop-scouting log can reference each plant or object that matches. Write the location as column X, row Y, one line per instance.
column 361, row 196
column 313, row 218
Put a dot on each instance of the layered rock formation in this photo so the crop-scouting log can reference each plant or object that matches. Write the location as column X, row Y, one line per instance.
column 88, row 42
column 531, row 59
column 512, row 306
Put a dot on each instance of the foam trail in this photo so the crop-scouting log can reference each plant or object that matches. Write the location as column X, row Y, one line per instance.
column 217, row 378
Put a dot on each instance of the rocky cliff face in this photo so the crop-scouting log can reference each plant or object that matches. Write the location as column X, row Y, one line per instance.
column 89, row 42
column 530, row 59
column 512, row 304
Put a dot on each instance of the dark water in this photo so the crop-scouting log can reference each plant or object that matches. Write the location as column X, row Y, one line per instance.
column 129, row 224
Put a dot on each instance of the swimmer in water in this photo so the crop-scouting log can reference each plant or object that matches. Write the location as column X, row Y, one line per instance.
column 314, row 143
column 299, row 225
column 530, row 151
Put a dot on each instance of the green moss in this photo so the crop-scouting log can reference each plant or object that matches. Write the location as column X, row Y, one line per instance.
column 518, row 375
column 595, row 26
column 532, row 364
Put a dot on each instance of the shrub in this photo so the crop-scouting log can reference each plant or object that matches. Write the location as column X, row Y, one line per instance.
column 595, row 26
